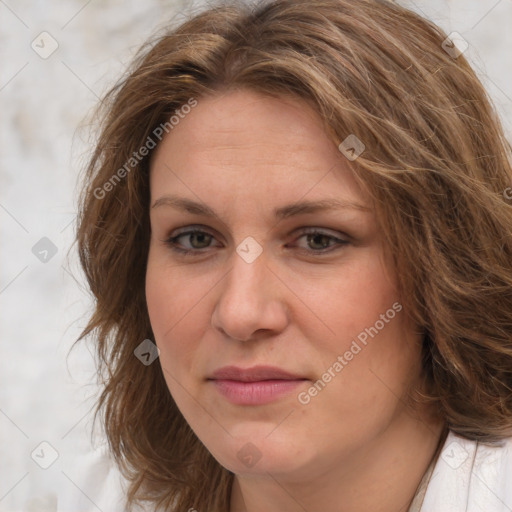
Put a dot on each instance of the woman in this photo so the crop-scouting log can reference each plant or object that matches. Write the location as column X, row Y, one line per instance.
column 296, row 228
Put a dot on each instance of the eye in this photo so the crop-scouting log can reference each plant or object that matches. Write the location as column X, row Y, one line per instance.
column 193, row 240
column 319, row 241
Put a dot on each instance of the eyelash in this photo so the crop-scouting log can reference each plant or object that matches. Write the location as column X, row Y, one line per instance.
column 172, row 241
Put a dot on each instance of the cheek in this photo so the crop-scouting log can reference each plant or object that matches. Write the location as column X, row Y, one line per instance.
column 180, row 308
column 361, row 400
column 364, row 323
column 347, row 301
column 159, row 289
column 176, row 308
column 170, row 296
column 173, row 305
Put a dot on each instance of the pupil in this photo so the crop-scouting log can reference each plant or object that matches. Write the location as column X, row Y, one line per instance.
column 319, row 240
column 200, row 240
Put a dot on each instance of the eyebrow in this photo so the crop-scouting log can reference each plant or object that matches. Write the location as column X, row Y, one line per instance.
column 283, row 212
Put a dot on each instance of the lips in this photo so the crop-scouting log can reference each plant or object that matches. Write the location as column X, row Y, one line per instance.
column 254, row 386
column 254, row 374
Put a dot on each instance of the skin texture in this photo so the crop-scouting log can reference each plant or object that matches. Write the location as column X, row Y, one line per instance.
column 357, row 445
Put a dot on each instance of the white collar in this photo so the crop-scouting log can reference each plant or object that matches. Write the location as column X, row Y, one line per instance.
column 471, row 476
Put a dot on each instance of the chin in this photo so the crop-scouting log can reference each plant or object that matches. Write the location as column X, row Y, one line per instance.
column 260, row 453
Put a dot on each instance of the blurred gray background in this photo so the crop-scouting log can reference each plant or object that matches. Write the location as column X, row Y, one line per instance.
column 57, row 59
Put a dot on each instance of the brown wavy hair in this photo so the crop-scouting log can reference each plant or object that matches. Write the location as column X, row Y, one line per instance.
column 436, row 166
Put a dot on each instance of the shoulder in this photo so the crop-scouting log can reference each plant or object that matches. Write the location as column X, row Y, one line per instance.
column 471, row 476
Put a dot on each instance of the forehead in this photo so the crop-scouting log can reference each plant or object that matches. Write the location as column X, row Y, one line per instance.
column 250, row 143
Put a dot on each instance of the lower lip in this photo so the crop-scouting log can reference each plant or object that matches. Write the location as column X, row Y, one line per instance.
column 255, row 393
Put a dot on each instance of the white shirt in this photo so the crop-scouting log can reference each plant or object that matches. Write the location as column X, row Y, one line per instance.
column 470, row 476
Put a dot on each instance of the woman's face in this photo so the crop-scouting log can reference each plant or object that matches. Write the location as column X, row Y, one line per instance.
column 283, row 268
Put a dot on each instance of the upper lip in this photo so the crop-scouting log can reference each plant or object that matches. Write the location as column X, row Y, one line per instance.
column 253, row 374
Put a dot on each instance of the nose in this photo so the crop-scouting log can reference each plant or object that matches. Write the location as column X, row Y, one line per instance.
column 251, row 302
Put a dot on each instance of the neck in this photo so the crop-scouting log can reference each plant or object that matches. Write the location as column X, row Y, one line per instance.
column 381, row 476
